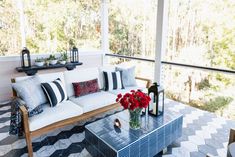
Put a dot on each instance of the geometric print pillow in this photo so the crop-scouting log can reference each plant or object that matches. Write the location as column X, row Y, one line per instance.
column 55, row 92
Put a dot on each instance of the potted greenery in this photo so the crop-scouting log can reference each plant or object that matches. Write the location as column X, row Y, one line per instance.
column 52, row 59
column 63, row 58
column 47, row 61
column 39, row 62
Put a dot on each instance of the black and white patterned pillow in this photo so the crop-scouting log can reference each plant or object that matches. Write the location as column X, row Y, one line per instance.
column 113, row 80
column 55, row 92
column 37, row 110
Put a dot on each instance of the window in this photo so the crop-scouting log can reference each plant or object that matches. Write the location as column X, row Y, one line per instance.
column 132, row 26
column 211, row 91
column 53, row 26
column 142, row 68
column 49, row 26
column 10, row 36
column 201, row 32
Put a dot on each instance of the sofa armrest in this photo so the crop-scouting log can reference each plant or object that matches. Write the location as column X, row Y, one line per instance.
column 25, row 116
column 148, row 81
column 231, row 136
column 23, row 110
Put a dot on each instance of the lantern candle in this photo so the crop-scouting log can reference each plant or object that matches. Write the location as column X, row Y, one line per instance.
column 155, row 108
column 25, row 58
column 74, row 56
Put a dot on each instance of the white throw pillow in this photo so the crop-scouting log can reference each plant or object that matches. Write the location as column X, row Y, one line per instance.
column 128, row 76
column 31, row 92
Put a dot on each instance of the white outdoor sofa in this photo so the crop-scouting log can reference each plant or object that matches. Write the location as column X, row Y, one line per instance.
column 74, row 109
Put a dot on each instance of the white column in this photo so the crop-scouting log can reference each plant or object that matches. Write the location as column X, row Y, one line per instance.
column 161, row 34
column 22, row 23
column 104, row 28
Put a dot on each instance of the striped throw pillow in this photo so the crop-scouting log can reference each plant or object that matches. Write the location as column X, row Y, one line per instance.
column 55, row 92
column 113, row 80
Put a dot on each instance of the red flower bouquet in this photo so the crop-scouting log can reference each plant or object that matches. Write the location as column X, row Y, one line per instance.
column 134, row 101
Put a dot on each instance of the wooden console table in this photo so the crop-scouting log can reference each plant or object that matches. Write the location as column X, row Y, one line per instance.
column 34, row 69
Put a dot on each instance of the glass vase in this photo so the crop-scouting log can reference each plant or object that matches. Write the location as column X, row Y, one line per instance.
column 135, row 118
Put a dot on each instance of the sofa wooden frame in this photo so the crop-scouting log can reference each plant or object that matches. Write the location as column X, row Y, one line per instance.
column 30, row 134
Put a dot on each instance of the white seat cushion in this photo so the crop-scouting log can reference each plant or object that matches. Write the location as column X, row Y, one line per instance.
column 94, row 101
column 127, row 89
column 50, row 115
column 79, row 75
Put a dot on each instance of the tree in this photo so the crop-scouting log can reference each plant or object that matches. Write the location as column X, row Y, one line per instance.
column 10, row 42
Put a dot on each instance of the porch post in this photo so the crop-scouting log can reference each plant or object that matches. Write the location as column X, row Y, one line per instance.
column 104, row 29
column 161, row 34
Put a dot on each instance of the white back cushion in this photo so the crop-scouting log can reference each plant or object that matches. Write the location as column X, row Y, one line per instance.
column 22, row 78
column 45, row 77
column 101, row 75
column 94, row 101
column 79, row 75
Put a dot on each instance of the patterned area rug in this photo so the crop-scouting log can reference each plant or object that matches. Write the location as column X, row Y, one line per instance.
column 203, row 133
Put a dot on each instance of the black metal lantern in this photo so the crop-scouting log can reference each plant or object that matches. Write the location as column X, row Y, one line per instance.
column 74, row 56
column 25, row 58
column 157, row 94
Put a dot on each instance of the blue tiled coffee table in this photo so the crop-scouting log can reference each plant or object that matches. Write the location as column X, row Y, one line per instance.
column 156, row 133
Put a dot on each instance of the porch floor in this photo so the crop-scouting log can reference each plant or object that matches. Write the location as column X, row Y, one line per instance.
column 203, row 133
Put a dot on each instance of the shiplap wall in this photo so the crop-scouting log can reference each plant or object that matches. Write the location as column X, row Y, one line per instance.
column 7, row 71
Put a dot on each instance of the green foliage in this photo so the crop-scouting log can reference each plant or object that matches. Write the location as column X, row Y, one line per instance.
column 33, row 46
column 10, row 39
column 51, row 57
column 177, row 73
column 39, row 60
column 54, row 24
column 215, row 104
column 64, row 56
column 172, row 95
column 215, row 87
column 204, row 84
column 223, row 79
column 132, row 27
